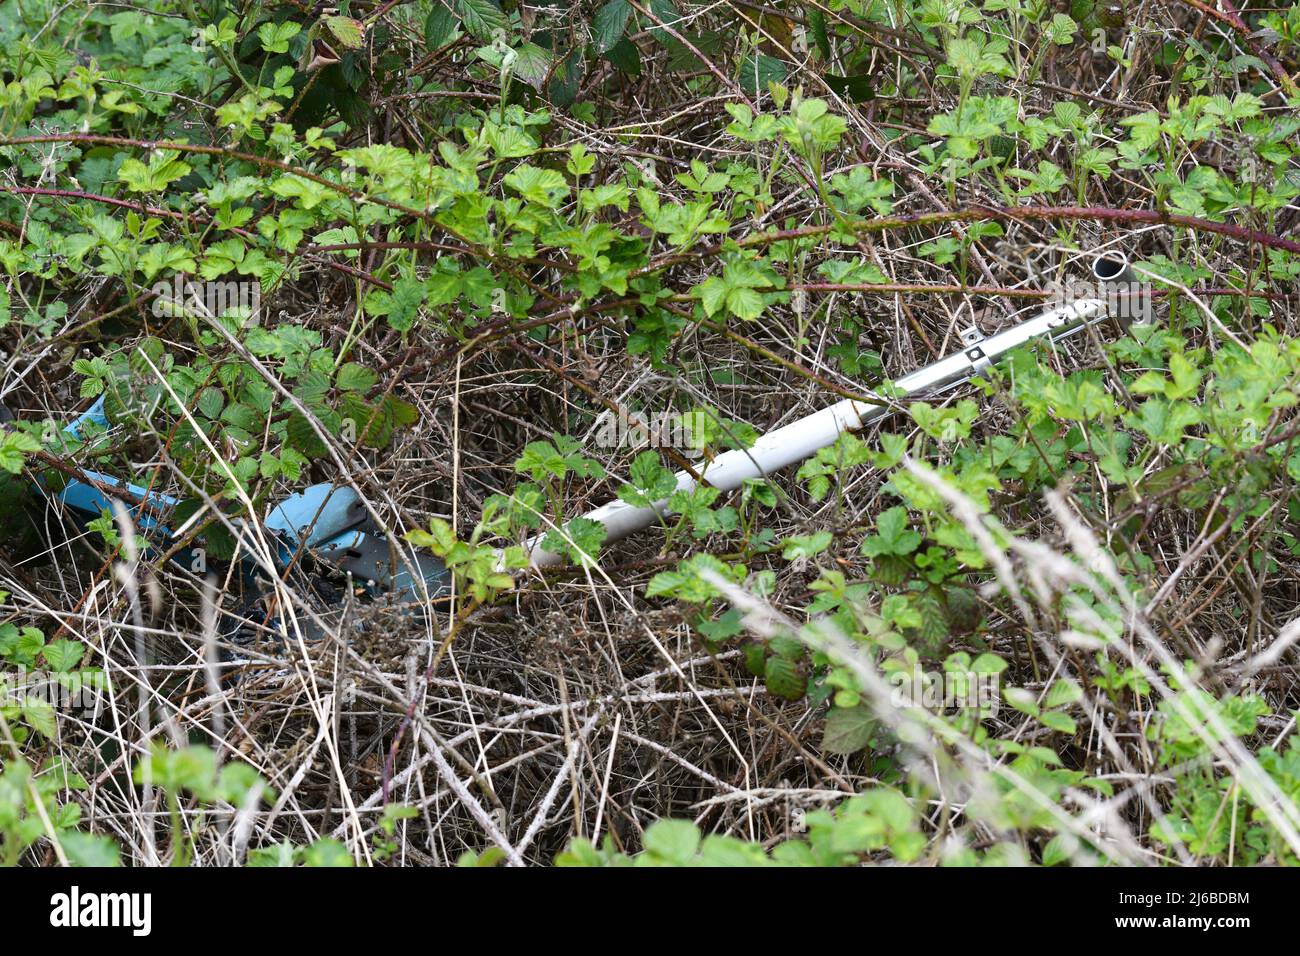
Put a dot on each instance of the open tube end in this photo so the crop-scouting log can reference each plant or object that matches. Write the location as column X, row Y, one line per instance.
column 1112, row 267
column 1126, row 298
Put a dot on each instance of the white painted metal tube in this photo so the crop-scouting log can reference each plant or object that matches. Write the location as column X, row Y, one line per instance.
column 802, row 439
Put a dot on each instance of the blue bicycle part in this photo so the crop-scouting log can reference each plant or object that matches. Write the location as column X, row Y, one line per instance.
column 326, row 521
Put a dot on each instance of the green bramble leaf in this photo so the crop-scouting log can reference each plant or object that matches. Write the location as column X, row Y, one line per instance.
column 580, row 540
column 543, row 186
column 349, row 32
column 14, row 448
column 63, row 655
column 848, row 729
column 609, row 23
column 164, row 169
column 893, row 536
column 275, row 37
column 482, row 18
column 806, row 546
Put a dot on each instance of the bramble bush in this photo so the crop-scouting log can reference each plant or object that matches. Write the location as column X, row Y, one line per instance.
column 476, row 228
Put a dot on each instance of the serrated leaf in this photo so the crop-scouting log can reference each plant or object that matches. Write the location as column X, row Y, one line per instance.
column 666, row 583
column 480, row 17
column 533, row 64
column 817, row 23
column 85, row 849
column 580, row 541
column 626, row 56
column 275, row 37
column 328, row 852
column 1022, row 700
column 893, row 536
column 402, row 412
column 673, row 842
column 783, row 679
column 349, row 32
column 163, row 169
column 356, row 378
column 806, row 546
column 848, row 730
column 988, row 664
column 13, row 447
column 63, row 655
column 440, row 25
column 934, row 623
column 211, row 401
column 40, row 717
column 609, row 23
column 302, row 436
column 544, row 186
column 1059, row 849
column 756, row 72
column 1063, row 692
column 1058, row 721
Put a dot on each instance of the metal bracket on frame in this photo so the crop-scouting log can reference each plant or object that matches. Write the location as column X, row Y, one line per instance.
column 971, row 337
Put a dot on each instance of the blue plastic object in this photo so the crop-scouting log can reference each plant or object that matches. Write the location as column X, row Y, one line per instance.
column 145, row 507
column 327, row 520
column 313, row 517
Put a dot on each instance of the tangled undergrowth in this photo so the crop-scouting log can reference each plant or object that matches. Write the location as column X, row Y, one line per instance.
column 458, row 255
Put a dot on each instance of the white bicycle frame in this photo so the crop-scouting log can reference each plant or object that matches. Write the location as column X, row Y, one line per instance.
column 802, row 439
